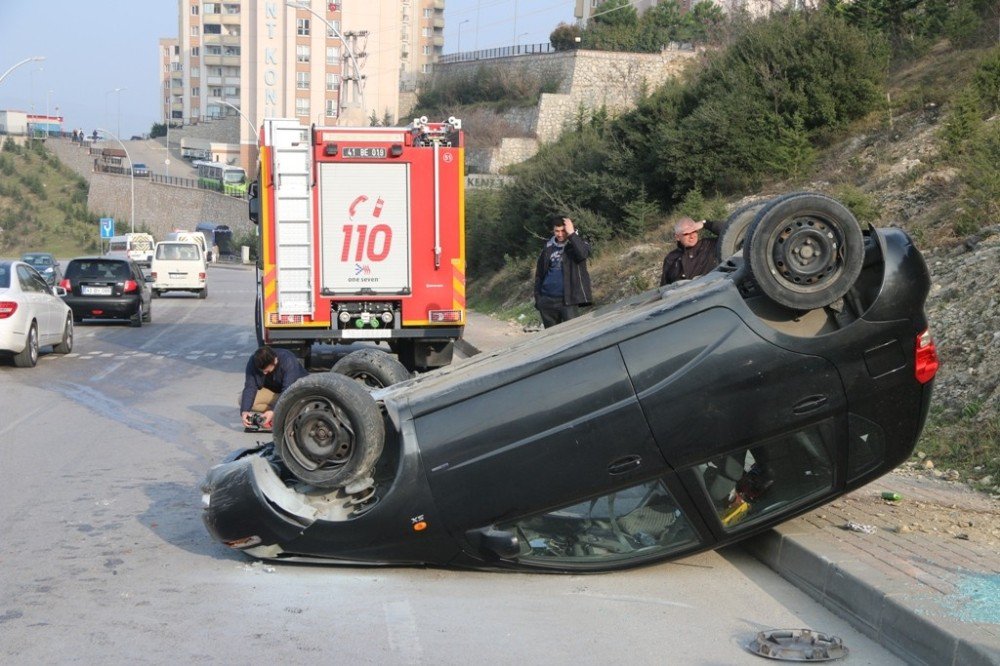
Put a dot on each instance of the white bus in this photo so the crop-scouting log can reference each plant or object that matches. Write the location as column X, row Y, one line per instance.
column 136, row 246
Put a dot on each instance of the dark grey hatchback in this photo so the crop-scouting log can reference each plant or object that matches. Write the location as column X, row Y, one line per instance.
column 684, row 418
column 107, row 288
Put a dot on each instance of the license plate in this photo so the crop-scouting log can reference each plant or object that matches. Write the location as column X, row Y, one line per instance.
column 95, row 291
column 365, row 333
column 178, row 275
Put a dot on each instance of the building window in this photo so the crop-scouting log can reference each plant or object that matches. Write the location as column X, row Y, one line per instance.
column 427, row 50
column 332, row 81
column 194, row 10
column 213, row 29
column 428, row 13
column 195, row 72
column 214, row 91
column 331, row 108
column 194, row 31
column 334, row 25
column 302, row 27
column 231, row 9
column 213, row 50
column 425, row 32
column 231, row 51
column 302, row 80
column 212, row 8
column 302, row 53
column 196, row 91
column 425, row 68
column 333, row 55
column 195, row 51
column 302, row 106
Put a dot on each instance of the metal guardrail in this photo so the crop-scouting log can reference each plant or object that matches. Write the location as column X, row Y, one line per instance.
column 491, row 54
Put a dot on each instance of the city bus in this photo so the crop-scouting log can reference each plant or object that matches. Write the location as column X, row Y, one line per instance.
column 231, row 180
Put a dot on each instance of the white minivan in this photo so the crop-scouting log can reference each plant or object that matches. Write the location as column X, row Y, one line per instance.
column 179, row 266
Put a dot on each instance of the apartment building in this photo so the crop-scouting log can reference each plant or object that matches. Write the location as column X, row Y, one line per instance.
column 321, row 62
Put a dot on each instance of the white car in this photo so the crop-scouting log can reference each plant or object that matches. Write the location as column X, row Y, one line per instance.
column 32, row 315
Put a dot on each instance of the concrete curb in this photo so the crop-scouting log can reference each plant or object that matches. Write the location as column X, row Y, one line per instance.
column 880, row 608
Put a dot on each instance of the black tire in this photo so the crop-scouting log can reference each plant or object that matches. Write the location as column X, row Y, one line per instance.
column 328, row 430
column 805, row 250
column 203, row 293
column 155, row 293
column 148, row 314
column 735, row 230
column 372, row 368
column 135, row 321
column 66, row 346
column 28, row 357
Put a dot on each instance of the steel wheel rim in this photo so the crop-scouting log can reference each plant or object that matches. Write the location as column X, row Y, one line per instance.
column 318, row 435
column 806, row 253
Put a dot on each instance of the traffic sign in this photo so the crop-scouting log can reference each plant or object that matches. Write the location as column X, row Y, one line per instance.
column 107, row 227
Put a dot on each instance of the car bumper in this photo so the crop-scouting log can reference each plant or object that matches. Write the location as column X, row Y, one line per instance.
column 98, row 307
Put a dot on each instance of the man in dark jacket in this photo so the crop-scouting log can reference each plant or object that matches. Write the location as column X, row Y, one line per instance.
column 269, row 372
column 693, row 256
column 562, row 282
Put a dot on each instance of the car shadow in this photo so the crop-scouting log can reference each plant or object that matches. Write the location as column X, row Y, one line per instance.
column 173, row 515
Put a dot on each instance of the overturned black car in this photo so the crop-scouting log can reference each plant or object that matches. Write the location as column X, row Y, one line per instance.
column 676, row 421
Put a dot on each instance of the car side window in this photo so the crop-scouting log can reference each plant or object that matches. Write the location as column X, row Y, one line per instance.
column 634, row 523
column 28, row 280
column 749, row 484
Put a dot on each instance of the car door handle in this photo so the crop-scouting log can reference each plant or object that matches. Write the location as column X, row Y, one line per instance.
column 809, row 404
column 625, row 464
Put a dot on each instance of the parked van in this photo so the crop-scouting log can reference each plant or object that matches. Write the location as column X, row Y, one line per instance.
column 136, row 246
column 179, row 266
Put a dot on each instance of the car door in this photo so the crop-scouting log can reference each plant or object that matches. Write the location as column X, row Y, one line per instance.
column 36, row 293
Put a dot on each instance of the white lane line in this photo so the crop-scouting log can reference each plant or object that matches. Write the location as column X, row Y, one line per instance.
column 403, row 637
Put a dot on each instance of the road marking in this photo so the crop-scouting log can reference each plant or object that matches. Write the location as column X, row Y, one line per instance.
column 403, row 636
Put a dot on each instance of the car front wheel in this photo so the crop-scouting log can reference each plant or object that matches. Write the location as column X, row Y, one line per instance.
column 28, row 357
column 328, row 430
column 371, row 368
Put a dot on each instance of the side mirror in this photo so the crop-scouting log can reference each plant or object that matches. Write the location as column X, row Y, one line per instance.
column 59, row 291
column 253, row 202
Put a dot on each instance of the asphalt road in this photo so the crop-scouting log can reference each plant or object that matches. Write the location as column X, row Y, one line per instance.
column 105, row 558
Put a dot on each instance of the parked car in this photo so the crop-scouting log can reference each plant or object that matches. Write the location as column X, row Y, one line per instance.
column 32, row 315
column 44, row 263
column 179, row 266
column 107, row 288
column 140, row 170
column 682, row 419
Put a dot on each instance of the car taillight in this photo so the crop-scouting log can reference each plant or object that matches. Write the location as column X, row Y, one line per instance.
column 201, row 276
column 445, row 316
column 130, row 286
column 153, row 275
column 926, row 358
column 66, row 284
column 7, row 308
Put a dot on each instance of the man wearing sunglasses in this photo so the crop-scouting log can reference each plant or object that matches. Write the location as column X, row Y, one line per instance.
column 694, row 255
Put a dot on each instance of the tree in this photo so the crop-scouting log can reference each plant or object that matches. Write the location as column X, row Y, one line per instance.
column 565, row 37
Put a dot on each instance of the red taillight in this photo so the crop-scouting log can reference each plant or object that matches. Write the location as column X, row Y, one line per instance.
column 926, row 358
column 201, row 276
column 130, row 286
column 66, row 284
column 153, row 275
column 445, row 316
column 7, row 308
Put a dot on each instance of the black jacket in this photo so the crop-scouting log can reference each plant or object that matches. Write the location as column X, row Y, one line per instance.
column 576, row 277
column 289, row 369
column 687, row 263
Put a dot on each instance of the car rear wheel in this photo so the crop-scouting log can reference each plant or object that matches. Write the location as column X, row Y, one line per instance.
column 28, row 357
column 805, row 250
column 372, row 368
column 203, row 293
column 135, row 321
column 66, row 346
column 328, row 430
column 735, row 230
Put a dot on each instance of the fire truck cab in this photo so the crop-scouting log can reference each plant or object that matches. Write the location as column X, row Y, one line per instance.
column 362, row 237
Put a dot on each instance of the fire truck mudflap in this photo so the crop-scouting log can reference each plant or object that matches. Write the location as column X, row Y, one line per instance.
column 362, row 237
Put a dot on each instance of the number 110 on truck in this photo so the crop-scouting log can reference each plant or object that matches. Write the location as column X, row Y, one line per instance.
column 362, row 237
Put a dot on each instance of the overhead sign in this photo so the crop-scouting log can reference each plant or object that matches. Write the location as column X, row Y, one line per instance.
column 107, row 227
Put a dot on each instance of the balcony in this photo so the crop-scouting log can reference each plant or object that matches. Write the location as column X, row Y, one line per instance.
column 438, row 22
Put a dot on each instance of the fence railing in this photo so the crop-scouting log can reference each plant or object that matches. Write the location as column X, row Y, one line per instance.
column 490, row 54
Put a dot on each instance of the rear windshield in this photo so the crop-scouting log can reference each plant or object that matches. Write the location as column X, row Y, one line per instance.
column 97, row 269
column 177, row 251
column 37, row 259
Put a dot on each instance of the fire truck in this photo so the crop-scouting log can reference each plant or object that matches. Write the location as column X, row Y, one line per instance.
column 362, row 237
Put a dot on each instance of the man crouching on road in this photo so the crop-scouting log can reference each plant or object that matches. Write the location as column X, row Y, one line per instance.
column 269, row 372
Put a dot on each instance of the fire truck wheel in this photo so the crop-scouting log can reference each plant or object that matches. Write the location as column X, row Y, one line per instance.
column 372, row 368
column 735, row 230
column 328, row 430
column 805, row 250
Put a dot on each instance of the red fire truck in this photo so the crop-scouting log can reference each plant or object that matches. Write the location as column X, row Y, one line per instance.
column 362, row 237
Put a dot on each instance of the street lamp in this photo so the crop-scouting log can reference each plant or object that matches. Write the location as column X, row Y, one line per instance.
column 16, row 65
column 131, row 173
column 253, row 128
column 459, row 48
column 347, row 48
column 116, row 90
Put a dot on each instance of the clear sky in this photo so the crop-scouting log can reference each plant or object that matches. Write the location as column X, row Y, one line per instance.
column 92, row 47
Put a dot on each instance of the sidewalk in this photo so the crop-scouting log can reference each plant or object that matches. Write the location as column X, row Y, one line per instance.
column 925, row 582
